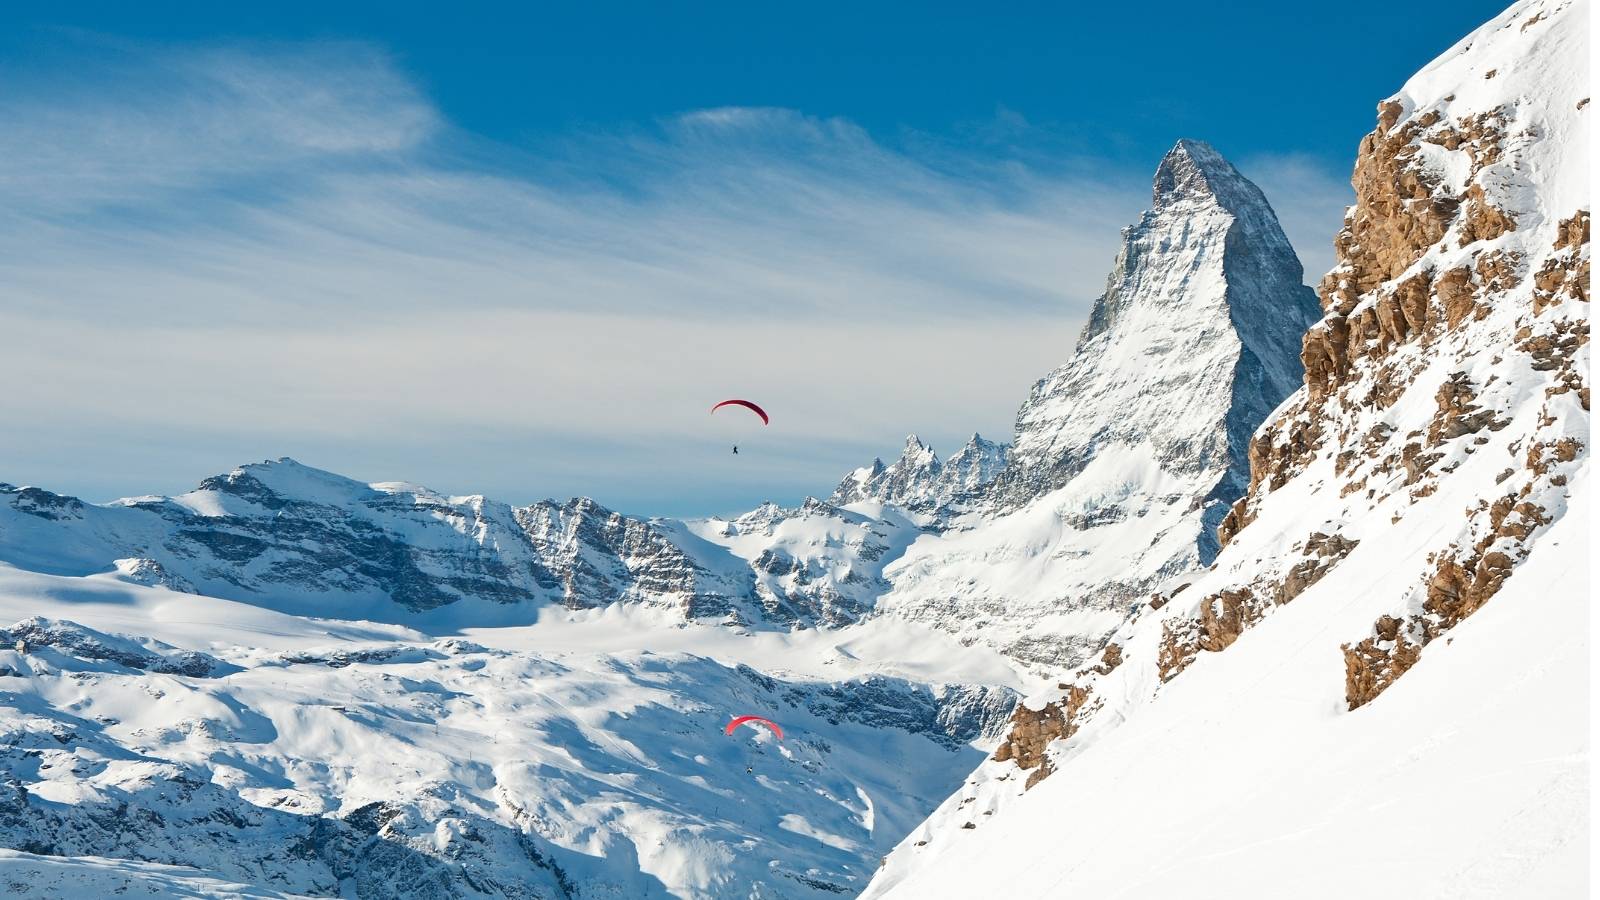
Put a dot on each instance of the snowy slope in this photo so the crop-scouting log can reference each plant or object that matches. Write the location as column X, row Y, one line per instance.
column 32, row 875
column 313, row 756
column 1380, row 680
column 1248, row 778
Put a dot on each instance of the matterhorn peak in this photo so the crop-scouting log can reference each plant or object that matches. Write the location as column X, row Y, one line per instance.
column 1194, row 171
column 1139, row 440
column 1199, row 327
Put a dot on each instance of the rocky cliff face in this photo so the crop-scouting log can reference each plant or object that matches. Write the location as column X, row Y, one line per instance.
column 1455, row 327
column 1439, row 443
column 1127, row 457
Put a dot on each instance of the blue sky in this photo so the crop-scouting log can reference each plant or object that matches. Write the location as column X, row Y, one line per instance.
column 519, row 252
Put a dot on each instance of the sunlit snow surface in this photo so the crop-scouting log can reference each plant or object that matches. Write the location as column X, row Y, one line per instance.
column 1468, row 778
column 560, row 753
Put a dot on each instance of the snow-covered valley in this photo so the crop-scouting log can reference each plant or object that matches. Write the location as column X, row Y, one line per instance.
column 564, row 758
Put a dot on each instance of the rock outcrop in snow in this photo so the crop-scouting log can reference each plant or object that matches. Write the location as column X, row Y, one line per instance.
column 1436, row 452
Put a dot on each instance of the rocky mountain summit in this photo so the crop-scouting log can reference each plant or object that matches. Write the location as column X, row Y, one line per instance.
column 1185, row 353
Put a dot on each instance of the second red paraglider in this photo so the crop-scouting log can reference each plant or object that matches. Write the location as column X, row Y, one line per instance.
column 754, row 720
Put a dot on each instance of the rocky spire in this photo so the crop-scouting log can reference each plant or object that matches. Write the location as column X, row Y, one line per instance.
column 1190, row 347
column 1127, row 457
column 906, row 480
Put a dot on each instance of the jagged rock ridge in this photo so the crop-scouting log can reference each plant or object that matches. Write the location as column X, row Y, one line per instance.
column 920, row 481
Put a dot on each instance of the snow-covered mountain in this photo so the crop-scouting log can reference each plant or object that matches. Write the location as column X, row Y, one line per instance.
column 1380, row 681
column 305, row 540
column 1127, row 456
column 489, row 767
column 390, row 695
column 818, row 563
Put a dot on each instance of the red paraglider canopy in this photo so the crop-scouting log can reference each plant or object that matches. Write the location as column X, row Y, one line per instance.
column 747, row 405
column 745, row 720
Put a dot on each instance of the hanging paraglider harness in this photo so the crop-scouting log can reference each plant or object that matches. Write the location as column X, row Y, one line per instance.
column 765, row 420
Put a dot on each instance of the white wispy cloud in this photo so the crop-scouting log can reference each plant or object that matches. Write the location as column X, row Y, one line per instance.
column 213, row 256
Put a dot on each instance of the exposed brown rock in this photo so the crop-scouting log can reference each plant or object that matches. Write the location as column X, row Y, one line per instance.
column 1498, row 270
column 1176, row 652
column 1375, row 663
column 1417, row 462
column 1483, row 220
column 1223, row 617
column 1544, row 455
column 1458, row 415
column 1110, row 658
column 1565, row 275
column 1032, row 731
column 1237, row 518
column 1455, row 293
column 1322, row 552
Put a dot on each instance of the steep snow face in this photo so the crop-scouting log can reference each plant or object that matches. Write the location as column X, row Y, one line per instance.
column 205, row 743
column 1408, row 568
column 1127, row 456
column 1468, row 779
column 919, row 481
